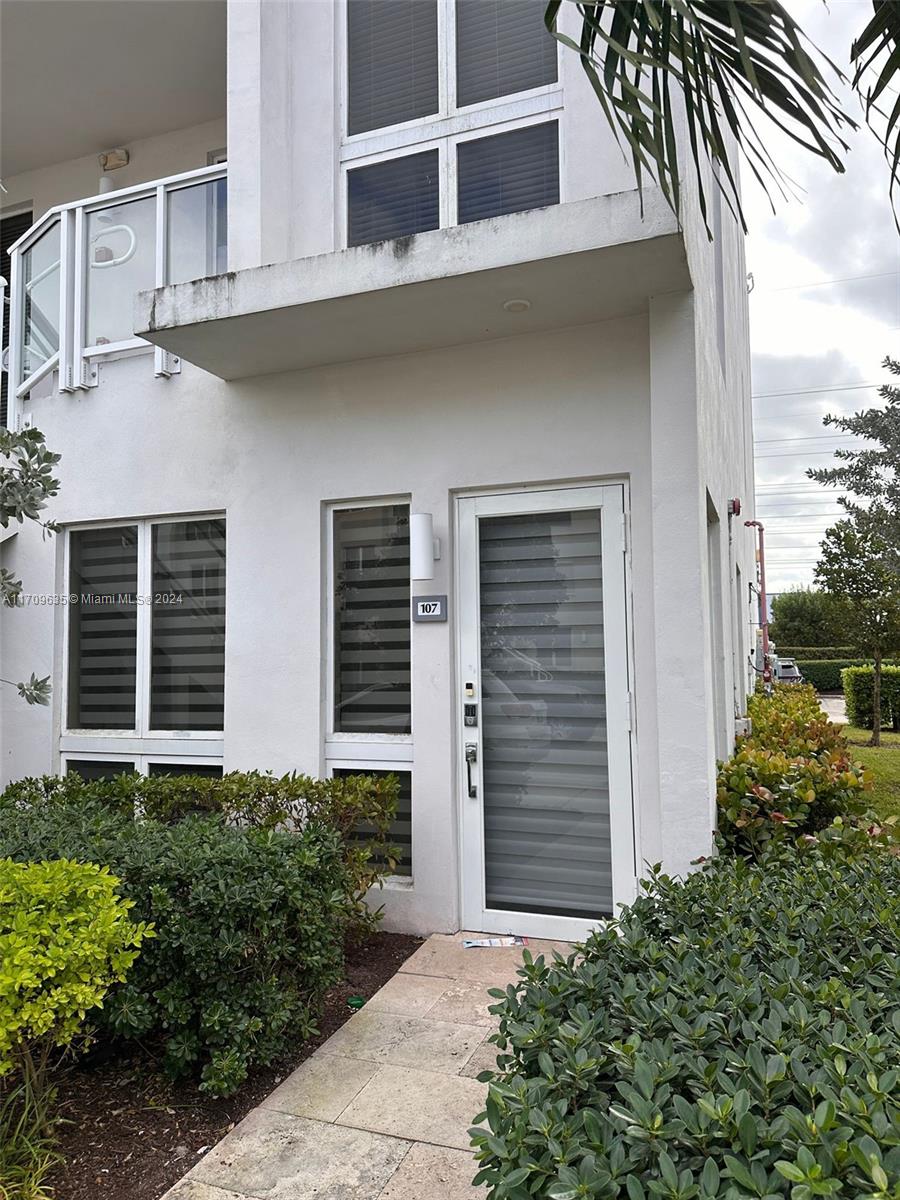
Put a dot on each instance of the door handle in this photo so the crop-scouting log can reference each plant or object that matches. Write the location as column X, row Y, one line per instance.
column 471, row 759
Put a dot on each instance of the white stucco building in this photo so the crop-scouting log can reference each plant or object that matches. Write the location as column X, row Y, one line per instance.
column 372, row 314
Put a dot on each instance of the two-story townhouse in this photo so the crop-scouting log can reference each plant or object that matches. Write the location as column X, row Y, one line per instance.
column 397, row 436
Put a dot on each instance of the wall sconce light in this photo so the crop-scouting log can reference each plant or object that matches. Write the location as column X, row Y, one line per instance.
column 424, row 547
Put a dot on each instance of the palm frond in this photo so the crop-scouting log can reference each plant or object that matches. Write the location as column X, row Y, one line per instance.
column 877, row 50
column 718, row 61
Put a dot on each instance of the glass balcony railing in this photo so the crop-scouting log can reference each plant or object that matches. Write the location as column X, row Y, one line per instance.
column 75, row 273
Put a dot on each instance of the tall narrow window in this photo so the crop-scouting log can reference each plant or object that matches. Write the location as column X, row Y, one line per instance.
column 11, row 229
column 393, row 199
column 188, row 640
column 502, row 46
column 392, row 62
column 509, row 172
column 103, row 628
column 372, row 620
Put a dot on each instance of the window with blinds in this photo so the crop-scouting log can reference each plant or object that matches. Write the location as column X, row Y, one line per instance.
column 103, row 628
column 372, row 620
column 392, row 62
column 401, row 826
column 203, row 770
column 187, row 688
column 502, row 46
column 98, row 768
column 393, row 199
column 508, row 172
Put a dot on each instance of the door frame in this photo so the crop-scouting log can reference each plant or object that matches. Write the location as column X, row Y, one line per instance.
column 611, row 498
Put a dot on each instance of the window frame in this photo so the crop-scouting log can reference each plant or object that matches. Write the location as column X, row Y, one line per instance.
column 139, row 741
column 140, row 762
column 442, row 130
column 371, row 747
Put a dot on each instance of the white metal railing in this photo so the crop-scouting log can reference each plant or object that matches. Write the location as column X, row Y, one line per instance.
column 75, row 272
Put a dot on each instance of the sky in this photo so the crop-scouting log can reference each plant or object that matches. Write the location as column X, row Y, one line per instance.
column 824, row 311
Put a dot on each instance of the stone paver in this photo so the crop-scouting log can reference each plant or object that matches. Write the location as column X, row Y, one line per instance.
column 382, row 1110
column 434, row 1171
column 275, row 1156
column 406, row 1041
column 835, row 708
column 193, row 1189
column 322, row 1087
column 423, row 1106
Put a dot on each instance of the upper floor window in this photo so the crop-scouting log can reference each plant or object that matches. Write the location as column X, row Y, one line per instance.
column 441, row 98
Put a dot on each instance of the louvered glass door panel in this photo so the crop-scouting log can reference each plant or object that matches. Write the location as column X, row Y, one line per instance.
column 502, row 47
column 103, row 628
column 372, row 620
column 547, row 846
column 392, row 62
column 187, row 680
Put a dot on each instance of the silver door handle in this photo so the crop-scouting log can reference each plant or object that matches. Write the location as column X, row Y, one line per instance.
column 471, row 759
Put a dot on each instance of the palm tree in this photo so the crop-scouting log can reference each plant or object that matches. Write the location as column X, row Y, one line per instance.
column 718, row 60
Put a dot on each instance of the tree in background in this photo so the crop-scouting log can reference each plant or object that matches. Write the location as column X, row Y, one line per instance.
column 26, row 483
column 858, row 567
column 724, row 62
column 807, row 617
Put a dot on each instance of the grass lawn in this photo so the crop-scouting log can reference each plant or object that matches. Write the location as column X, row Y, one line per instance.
column 884, row 763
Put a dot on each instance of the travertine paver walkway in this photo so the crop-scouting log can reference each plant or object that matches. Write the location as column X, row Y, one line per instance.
column 382, row 1110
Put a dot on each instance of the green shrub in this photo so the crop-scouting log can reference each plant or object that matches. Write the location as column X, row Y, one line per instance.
column 734, row 1035
column 65, row 939
column 763, row 795
column 858, row 684
column 259, row 800
column 814, row 653
column 789, row 720
column 250, row 923
column 825, row 675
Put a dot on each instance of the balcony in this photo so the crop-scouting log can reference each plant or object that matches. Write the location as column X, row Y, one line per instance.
column 75, row 274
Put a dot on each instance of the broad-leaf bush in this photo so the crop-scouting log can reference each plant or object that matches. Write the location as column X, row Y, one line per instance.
column 733, row 1035
column 250, row 921
column 793, row 775
column 256, row 799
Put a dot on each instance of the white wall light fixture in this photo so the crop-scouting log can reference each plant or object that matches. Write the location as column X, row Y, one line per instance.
column 424, row 548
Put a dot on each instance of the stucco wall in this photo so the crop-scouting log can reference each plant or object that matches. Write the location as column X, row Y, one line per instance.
column 565, row 406
column 151, row 158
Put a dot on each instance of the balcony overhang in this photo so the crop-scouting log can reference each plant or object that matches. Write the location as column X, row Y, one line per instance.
column 574, row 263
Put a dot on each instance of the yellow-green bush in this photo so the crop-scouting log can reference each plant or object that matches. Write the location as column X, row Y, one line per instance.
column 65, row 938
column 792, row 775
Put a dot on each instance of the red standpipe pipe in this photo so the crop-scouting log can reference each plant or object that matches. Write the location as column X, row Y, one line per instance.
column 763, row 603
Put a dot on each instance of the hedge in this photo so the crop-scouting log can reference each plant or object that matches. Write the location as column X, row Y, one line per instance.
column 814, row 653
column 791, row 777
column 858, row 683
column 731, row 1035
column 825, row 674
column 250, row 919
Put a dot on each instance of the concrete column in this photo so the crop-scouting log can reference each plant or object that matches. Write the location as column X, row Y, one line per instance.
column 686, row 750
column 282, row 131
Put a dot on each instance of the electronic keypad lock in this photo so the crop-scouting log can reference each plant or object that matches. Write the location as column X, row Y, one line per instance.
column 470, row 715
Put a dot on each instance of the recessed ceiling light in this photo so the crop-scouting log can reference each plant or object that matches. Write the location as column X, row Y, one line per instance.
column 516, row 306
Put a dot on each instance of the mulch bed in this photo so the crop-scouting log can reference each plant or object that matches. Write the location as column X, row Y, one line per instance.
column 130, row 1134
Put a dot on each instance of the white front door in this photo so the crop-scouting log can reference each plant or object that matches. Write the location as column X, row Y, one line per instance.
column 545, row 754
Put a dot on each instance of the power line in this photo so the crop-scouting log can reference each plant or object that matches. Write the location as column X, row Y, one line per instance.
column 792, row 453
column 792, row 287
column 850, row 387
column 811, row 437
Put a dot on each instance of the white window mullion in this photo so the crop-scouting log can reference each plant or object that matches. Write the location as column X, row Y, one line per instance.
column 66, row 298
column 164, row 364
column 85, row 370
column 446, row 56
column 144, row 627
